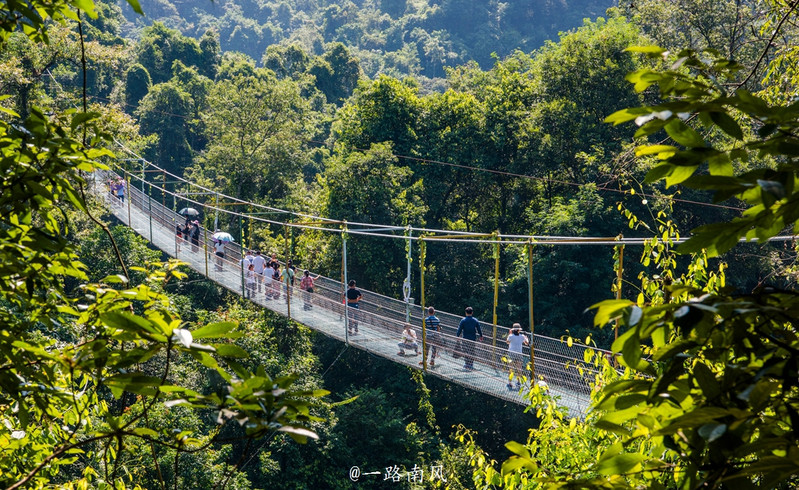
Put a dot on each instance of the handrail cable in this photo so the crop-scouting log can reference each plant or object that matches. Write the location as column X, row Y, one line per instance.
column 505, row 239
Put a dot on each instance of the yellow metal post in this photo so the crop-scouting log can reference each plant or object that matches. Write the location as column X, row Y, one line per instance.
column 249, row 233
column 530, row 301
column 619, row 272
column 286, row 271
column 129, row 195
column 205, row 245
column 344, row 282
column 422, row 254
column 496, row 288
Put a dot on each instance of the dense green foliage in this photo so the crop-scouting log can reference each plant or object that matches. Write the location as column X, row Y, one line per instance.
column 393, row 37
column 131, row 372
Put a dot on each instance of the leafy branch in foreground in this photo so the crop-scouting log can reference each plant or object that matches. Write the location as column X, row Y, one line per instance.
column 710, row 395
column 741, row 130
column 62, row 358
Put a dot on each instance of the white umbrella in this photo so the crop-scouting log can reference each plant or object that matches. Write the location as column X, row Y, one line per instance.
column 221, row 236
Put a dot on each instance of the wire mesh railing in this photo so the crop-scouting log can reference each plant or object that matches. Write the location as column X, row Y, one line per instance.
column 375, row 327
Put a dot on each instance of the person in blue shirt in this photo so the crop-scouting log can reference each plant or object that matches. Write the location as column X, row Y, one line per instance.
column 433, row 326
column 470, row 328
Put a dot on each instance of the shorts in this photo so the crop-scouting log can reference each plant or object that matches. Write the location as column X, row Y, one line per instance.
column 516, row 357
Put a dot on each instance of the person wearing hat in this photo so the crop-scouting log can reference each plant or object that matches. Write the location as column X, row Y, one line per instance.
column 516, row 340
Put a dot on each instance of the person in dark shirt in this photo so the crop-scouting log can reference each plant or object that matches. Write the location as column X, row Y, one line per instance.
column 354, row 296
column 470, row 328
column 433, row 338
column 195, row 235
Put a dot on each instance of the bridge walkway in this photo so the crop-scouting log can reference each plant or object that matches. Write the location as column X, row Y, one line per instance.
column 380, row 321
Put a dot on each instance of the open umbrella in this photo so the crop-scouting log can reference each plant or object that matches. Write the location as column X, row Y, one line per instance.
column 221, row 236
column 189, row 212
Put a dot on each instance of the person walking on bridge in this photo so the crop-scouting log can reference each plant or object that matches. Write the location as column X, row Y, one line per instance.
column 516, row 340
column 433, row 326
column 306, row 285
column 259, row 265
column 287, row 276
column 246, row 260
column 470, row 328
column 194, row 234
column 219, row 251
column 121, row 189
column 354, row 296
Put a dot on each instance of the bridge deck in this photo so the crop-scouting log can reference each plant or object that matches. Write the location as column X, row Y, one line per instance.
column 380, row 321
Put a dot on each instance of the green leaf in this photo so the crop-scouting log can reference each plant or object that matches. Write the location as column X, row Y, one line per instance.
column 608, row 310
column 661, row 150
column 727, row 124
column 631, row 351
column 515, row 463
column 518, row 449
column 83, row 117
column 136, row 7
column 679, row 174
column 214, row 330
column 658, row 173
column 144, row 431
column 720, row 165
column 684, row 134
column 707, row 381
column 230, row 350
column 621, row 464
column 299, row 434
column 650, row 49
column 127, row 322
column 625, row 115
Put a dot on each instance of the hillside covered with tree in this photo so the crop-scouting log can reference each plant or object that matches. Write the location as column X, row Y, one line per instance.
column 391, row 37
column 119, row 368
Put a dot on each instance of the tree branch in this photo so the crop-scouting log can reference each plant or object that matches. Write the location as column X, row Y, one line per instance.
column 791, row 7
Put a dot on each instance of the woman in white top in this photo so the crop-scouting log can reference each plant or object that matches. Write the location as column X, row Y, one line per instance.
column 219, row 251
column 249, row 276
column 516, row 340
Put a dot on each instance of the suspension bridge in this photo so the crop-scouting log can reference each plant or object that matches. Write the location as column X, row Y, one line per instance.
column 558, row 365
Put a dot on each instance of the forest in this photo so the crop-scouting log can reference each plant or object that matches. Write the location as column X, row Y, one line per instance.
column 658, row 120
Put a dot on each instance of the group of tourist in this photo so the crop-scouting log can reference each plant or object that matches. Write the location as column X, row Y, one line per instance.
column 265, row 275
column 469, row 329
column 117, row 188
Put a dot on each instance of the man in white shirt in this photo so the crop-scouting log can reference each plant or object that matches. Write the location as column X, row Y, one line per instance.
column 259, row 264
